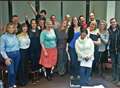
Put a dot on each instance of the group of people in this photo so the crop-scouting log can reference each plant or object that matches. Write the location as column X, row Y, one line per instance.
column 49, row 46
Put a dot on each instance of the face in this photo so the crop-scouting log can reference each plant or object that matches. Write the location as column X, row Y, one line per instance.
column 53, row 18
column 41, row 22
column 82, row 19
column 102, row 26
column 92, row 26
column 75, row 21
column 34, row 25
column 25, row 29
column 11, row 29
column 49, row 25
column 83, row 35
column 15, row 20
column 92, row 16
column 43, row 14
column 113, row 23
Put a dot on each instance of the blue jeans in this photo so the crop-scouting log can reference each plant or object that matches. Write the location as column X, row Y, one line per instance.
column 12, row 68
column 74, row 65
column 115, row 65
column 85, row 73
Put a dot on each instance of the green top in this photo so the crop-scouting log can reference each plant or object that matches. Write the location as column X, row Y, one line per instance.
column 48, row 38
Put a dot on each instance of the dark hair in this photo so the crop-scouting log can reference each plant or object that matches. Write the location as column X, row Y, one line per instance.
column 22, row 25
column 13, row 17
column 81, row 16
column 42, row 18
column 43, row 11
column 72, row 25
column 52, row 16
column 32, row 20
column 113, row 19
column 84, row 31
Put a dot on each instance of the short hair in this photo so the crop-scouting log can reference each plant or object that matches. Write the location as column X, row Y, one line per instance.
column 84, row 31
column 32, row 20
column 13, row 17
column 113, row 19
column 43, row 11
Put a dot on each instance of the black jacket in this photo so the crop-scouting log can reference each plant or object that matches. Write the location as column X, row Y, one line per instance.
column 114, row 39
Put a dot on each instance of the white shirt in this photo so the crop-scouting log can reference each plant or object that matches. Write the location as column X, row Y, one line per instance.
column 24, row 42
column 85, row 48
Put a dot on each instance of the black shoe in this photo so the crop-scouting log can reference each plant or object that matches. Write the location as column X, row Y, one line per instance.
column 49, row 78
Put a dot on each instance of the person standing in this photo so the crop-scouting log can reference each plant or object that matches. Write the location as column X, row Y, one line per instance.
column 48, row 57
column 61, row 47
column 9, row 49
column 102, row 48
column 24, row 41
column 84, row 47
column 114, row 48
column 73, row 34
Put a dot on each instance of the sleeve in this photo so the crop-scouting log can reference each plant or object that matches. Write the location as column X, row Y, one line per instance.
column 2, row 48
column 42, row 37
column 80, row 54
column 91, row 52
column 105, row 39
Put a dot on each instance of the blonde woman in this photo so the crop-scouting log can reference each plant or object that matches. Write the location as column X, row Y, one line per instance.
column 9, row 49
column 48, row 57
column 104, row 37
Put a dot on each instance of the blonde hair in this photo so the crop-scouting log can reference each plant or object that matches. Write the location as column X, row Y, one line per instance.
column 7, row 27
column 104, row 22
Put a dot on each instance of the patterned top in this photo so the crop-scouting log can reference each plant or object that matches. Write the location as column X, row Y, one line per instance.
column 48, row 38
column 24, row 41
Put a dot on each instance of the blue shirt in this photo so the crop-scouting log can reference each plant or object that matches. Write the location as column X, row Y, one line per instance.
column 72, row 43
column 8, row 43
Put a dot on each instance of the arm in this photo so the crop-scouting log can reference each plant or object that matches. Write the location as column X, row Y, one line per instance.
column 3, row 52
column 98, row 42
column 105, row 39
column 42, row 39
column 33, row 9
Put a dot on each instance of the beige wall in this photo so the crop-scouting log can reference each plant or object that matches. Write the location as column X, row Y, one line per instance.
column 117, row 14
column 21, row 8
column 99, row 7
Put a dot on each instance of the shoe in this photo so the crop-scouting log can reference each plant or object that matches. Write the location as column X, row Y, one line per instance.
column 14, row 86
column 49, row 78
column 71, row 77
column 78, row 77
column 118, row 84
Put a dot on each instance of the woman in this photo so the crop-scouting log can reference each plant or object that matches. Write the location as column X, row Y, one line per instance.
column 10, row 52
column 48, row 57
column 61, row 46
column 104, row 36
column 73, row 34
column 93, row 34
column 85, row 50
column 34, row 49
column 24, row 41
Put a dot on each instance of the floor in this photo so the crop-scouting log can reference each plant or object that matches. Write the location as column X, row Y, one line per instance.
column 63, row 82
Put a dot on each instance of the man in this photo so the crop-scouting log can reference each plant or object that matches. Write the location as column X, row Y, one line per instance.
column 114, row 48
column 92, row 18
column 55, row 23
column 15, row 21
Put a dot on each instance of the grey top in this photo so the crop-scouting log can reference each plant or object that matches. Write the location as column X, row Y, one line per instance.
column 104, row 41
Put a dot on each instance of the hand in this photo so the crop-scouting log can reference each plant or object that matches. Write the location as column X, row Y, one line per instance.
column 86, row 59
column 8, row 61
column 46, row 54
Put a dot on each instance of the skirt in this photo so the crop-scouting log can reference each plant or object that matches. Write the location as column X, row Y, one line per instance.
column 50, row 60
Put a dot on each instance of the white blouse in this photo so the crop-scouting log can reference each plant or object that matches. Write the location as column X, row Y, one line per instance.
column 24, row 42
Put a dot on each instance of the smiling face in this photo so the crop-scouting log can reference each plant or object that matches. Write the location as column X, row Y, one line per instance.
column 75, row 21
column 10, row 28
column 49, row 25
column 113, row 23
column 24, row 29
